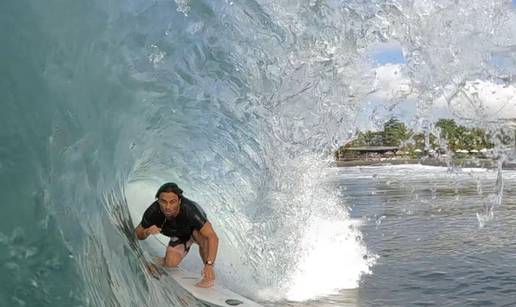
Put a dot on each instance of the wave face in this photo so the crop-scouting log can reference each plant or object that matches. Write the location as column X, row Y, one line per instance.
column 241, row 104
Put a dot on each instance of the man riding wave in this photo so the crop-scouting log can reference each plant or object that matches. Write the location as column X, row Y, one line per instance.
column 184, row 221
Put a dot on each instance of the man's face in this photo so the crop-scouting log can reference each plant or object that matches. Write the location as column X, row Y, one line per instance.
column 169, row 203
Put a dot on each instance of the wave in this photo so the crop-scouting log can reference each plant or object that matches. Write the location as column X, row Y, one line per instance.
column 241, row 104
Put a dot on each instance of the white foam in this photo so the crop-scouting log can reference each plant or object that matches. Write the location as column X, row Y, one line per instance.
column 332, row 260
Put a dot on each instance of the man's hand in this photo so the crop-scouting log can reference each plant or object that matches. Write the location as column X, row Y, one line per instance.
column 152, row 230
column 208, row 277
column 143, row 233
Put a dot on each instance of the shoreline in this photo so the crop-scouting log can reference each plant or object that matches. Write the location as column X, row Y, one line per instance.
column 463, row 163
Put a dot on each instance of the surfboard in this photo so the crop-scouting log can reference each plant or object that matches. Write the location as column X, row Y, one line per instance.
column 218, row 295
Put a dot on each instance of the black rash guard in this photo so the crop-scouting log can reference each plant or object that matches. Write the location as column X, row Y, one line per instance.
column 180, row 228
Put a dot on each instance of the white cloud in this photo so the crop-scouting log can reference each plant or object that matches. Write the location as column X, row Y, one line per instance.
column 475, row 100
column 480, row 100
column 390, row 84
column 392, row 96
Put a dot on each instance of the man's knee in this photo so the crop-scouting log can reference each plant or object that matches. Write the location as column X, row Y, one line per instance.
column 172, row 259
column 172, row 262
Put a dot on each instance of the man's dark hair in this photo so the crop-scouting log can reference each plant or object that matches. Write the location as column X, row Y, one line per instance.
column 170, row 187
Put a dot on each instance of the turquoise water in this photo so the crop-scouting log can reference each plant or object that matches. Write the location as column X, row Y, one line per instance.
column 241, row 104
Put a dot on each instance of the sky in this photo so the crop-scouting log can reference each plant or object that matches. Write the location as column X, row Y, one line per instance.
column 388, row 53
column 491, row 101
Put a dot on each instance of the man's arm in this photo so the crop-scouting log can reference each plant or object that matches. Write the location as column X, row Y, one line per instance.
column 143, row 233
column 213, row 241
column 207, row 232
column 140, row 232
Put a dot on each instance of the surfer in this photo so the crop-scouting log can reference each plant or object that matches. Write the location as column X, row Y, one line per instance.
column 184, row 221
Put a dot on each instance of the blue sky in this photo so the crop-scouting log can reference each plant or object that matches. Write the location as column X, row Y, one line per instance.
column 514, row 3
column 376, row 107
column 388, row 53
column 392, row 53
column 376, row 111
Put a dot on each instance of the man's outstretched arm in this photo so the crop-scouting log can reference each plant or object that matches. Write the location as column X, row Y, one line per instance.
column 144, row 233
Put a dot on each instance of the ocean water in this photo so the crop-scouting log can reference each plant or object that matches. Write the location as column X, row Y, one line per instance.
column 434, row 250
column 242, row 104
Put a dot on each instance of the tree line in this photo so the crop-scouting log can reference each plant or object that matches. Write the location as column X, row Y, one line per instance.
column 449, row 135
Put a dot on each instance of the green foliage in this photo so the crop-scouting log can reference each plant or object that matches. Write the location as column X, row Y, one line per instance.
column 460, row 137
column 368, row 138
column 395, row 133
column 504, row 137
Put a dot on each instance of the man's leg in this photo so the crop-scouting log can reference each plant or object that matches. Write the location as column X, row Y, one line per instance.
column 174, row 255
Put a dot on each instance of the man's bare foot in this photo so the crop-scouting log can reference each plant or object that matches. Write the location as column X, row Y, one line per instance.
column 204, row 283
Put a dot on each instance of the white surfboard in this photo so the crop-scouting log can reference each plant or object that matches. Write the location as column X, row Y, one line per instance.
column 217, row 295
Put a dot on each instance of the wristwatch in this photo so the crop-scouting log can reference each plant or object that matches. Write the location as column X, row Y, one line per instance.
column 209, row 262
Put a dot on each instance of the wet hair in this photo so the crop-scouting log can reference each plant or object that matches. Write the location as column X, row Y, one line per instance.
column 170, row 187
